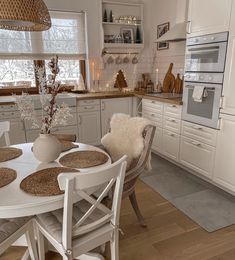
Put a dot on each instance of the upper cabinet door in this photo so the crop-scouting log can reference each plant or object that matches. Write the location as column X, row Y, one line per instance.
column 210, row 16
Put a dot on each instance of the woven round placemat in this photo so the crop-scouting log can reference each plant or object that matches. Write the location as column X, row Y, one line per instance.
column 67, row 145
column 9, row 153
column 7, row 176
column 44, row 182
column 83, row 159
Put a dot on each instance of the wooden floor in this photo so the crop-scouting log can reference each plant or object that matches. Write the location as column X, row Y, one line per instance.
column 170, row 234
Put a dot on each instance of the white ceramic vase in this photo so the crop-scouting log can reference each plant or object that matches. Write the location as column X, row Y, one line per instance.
column 47, row 148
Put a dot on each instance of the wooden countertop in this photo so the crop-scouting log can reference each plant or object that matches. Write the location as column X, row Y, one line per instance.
column 176, row 101
column 9, row 100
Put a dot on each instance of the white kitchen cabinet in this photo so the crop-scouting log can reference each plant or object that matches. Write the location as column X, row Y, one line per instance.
column 224, row 170
column 112, row 106
column 153, row 116
column 197, row 156
column 210, row 16
column 89, row 127
column 172, row 124
column 228, row 105
column 199, row 133
column 171, row 144
column 172, row 110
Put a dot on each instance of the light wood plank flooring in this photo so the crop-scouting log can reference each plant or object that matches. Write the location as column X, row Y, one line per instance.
column 170, row 234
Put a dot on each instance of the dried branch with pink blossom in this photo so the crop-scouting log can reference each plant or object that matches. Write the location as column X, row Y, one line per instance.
column 52, row 114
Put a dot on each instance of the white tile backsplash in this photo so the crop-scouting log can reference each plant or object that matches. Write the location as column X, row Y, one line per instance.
column 149, row 61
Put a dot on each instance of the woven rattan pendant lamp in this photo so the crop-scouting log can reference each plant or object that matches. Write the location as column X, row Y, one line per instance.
column 24, row 15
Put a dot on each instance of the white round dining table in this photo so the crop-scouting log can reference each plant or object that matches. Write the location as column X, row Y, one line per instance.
column 15, row 202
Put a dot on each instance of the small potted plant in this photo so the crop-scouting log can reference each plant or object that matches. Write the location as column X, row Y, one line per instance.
column 46, row 147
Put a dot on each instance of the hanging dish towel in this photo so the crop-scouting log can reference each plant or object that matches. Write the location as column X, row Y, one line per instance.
column 199, row 92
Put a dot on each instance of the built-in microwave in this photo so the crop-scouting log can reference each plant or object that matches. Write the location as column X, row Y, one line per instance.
column 206, row 53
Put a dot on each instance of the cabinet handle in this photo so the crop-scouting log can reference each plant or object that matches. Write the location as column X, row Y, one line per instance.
column 79, row 120
column 153, row 102
column 153, row 115
column 174, row 106
column 222, row 102
column 197, row 128
column 188, row 27
column 103, row 106
column 89, row 107
column 172, row 120
column 196, row 144
column 172, row 135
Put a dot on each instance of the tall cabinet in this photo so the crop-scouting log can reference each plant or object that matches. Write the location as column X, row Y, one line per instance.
column 224, row 174
column 229, row 87
column 210, row 16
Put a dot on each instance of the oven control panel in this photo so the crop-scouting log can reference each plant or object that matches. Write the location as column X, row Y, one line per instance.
column 216, row 78
column 211, row 38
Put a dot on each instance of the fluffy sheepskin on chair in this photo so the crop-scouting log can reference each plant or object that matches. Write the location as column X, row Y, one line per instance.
column 126, row 137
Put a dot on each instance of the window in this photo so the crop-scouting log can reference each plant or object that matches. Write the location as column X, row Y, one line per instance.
column 20, row 50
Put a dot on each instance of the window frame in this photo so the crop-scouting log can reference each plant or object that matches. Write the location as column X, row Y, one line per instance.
column 35, row 90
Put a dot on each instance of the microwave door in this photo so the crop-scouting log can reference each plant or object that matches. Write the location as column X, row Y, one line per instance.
column 206, row 58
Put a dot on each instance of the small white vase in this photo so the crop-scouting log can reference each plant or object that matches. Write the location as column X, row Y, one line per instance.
column 47, row 148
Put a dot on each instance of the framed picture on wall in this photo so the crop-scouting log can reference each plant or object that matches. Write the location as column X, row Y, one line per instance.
column 162, row 29
column 127, row 35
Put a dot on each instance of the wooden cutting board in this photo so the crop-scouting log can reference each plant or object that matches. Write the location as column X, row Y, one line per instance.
column 169, row 81
column 178, row 85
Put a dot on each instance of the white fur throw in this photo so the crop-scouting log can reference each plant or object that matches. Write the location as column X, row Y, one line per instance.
column 126, row 137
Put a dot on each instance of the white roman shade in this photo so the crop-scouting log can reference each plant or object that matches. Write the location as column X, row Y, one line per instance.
column 66, row 38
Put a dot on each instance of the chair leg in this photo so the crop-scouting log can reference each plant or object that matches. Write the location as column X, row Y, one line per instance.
column 41, row 244
column 135, row 206
column 69, row 257
column 114, row 246
column 31, row 241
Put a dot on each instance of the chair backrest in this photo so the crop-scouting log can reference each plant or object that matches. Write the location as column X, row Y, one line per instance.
column 4, row 130
column 148, row 135
column 79, row 184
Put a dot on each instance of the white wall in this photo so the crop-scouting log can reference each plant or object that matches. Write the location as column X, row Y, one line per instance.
column 166, row 11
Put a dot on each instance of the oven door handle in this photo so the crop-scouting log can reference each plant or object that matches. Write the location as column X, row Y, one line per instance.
column 202, row 50
column 207, row 88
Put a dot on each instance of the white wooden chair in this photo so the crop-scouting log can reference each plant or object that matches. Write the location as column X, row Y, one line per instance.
column 13, row 229
column 88, row 224
column 4, row 130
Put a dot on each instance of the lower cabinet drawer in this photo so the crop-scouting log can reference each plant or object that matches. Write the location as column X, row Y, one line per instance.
column 172, row 110
column 88, row 108
column 156, row 118
column 197, row 156
column 200, row 133
column 172, row 124
column 171, row 144
column 152, row 105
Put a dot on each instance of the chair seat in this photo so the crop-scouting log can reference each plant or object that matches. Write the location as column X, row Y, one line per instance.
column 10, row 226
column 52, row 221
